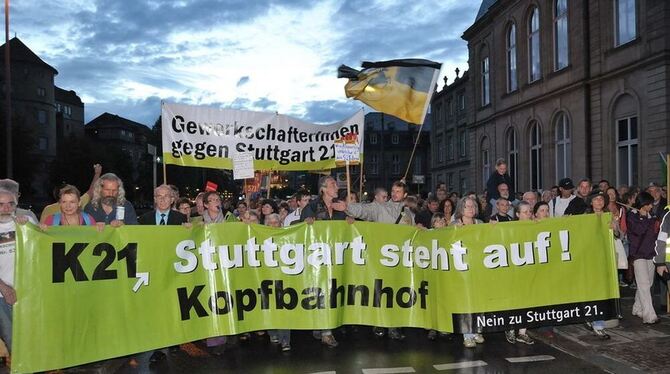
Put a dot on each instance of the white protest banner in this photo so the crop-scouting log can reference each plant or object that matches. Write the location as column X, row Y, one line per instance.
column 204, row 136
column 243, row 165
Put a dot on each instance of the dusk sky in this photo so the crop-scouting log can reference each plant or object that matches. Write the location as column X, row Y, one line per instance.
column 125, row 56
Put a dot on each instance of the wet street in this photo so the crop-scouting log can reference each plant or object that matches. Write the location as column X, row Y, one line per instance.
column 362, row 352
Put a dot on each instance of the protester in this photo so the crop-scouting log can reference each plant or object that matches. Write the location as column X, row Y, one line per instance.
column 8, row 220
column 502, row 208
column 69, row 213
column 579, row 204
column 424, row 216
column 560, row 203
column 184, row 207
column 447, row 208
column 530, row 197
column 642, row 236
column 302, row 199
column 109, row 205
column 499, row 176
column 541, row 210
column 322, row 208
column 162, row 214
column 547, row 196
column 524, row 212
column 268, row 207
column 466, row 213
column 13, row 187
column 85, row 198
column 441, row 194
column 381, row 195
column 660, row 203
column 281, row 336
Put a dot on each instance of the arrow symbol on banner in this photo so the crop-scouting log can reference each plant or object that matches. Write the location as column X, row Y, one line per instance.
column 142, row 279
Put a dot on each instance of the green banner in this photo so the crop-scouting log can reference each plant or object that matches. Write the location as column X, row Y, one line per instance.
column 83, row 295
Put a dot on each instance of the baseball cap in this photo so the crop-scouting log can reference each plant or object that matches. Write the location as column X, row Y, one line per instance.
column 566, row 183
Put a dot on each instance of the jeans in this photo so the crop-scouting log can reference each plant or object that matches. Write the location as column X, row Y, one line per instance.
column 284, row 336
column 6, row 323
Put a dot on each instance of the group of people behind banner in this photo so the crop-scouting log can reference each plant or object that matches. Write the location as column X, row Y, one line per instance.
column 640, row 225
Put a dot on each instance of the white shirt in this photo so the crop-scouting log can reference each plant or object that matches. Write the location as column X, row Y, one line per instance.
column 561, row 205
column 8, row 250
column 292, row 217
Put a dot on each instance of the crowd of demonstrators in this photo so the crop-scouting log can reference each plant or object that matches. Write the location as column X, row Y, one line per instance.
column 636, row 223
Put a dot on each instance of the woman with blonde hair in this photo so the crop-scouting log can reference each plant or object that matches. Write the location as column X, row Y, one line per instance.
column 69, row 213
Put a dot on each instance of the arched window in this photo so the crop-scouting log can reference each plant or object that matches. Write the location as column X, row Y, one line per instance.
column 485, row 161
column 563, row 147
column 512, row 157
column 511, row 59
column 627, row 140
column 535, row 155
column 560, row 34
column 534, row 45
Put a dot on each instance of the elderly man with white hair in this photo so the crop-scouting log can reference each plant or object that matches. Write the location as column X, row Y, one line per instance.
column 8, row 219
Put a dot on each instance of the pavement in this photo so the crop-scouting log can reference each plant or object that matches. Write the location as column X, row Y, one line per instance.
column 633, row 348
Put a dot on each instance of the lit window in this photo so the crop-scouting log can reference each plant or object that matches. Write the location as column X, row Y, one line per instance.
column 625, row 21
column 561, row 34
column 534, row 45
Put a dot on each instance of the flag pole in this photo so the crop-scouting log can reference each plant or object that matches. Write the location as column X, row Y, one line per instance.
column 269, row 182
column 348, row 181
column 411, row 157
column 164, row 172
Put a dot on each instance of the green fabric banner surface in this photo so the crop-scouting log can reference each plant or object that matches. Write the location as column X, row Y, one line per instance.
column 83, row 295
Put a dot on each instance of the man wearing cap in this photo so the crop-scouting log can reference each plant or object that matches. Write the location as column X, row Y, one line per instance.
column 560, row 203
column 580, row 204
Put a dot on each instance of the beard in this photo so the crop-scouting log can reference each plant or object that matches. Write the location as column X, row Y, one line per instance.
column 109, row 200
column 6, row 217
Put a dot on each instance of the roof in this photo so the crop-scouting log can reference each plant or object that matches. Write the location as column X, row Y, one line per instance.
column 69, row 97
column 486, row 4
column 108, row 120
column 373, row 121
column 20, row 52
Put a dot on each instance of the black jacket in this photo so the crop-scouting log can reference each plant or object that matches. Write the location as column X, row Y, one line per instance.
column 173, row 218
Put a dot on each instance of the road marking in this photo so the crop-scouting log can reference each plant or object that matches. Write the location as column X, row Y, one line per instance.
column 460, row 365
column 389, row 370
column 515, row 360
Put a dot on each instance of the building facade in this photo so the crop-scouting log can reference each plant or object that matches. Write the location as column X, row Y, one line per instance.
column 388, row 147
column 69, row 114
column 450, row 136
column 565, row 88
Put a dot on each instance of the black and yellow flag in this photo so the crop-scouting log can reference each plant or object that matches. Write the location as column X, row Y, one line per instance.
column 401, row 88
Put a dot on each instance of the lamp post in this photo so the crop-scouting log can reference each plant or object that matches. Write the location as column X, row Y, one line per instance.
column 8, row 98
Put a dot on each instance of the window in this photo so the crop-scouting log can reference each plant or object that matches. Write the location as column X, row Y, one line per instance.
column 512, row 156
column 438, row 113
column 42, row 117
column 59, row 108
column 395, row 163
column 451, row 107
column 625, row 21
column 395, row 139
column 560, row 34
column 440, row 149
column 461, row 101
column 373, row 138
column 535, row 156
column 41, row 92
column 462, row 182
column 462, row 143
column 534, row 45
column 43, row 143
column 563, row 150
column 485, row 161
column 450, row 182
column 511, row 59
column 450, row 147
column 418, row 165
column 374, row 164
column 68, row 110
column 626, row 154
column 486, row 83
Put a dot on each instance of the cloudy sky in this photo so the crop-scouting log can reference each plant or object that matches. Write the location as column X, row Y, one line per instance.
column 125, row 56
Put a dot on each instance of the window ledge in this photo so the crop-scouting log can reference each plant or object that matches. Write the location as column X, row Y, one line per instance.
column 620, row 47
column 560, row 71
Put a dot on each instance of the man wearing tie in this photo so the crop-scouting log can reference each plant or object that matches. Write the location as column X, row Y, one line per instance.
column 162, row 215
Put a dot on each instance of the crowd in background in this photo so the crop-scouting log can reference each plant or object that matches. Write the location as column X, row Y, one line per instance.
column 637, row 224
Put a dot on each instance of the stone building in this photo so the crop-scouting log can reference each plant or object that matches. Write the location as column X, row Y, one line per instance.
column 570, row 88
column 450, row 140
column 388, row 146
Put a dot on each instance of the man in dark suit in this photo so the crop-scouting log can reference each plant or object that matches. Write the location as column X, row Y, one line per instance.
column 163, row 214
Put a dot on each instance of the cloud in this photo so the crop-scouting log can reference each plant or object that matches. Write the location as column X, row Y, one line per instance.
column 123, row 56
column 244, row 80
